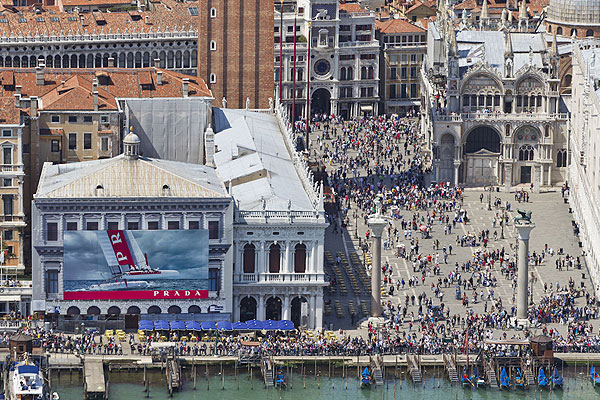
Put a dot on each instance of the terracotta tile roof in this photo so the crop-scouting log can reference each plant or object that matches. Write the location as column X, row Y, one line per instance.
column 73, row 3
column 397, row 26
column 417, row 5
column 72, row 89
column 166, row 14
column 351, row 7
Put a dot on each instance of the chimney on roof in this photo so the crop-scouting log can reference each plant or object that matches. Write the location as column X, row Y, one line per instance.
column 159, row 77
column 185, row 84
column 95, row 93
column 147, row 20
column 39, row 74
column 157, row 63
column 17, row 100
column 62, row 83
column 19, row 89
column 111, row 62
column 33, row 106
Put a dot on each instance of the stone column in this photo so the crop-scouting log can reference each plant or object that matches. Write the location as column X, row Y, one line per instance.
column 377, row 224
column 537, row 179
column 286, row 307
column 507, row 177
column 260, row 315
column 524, row 230
column 456, row 167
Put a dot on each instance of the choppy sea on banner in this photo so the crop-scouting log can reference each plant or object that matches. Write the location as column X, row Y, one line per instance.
column 152, row 284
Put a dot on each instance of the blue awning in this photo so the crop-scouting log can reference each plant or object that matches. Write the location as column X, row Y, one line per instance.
column 270, row 325
column 208, row 326
column 239, row 326
column 224, row 325
column 254, row 325
column 285, row 325
column 161, row 325
column 177, row 325
column 28, row 369
column 146, row 325
column 193, row 325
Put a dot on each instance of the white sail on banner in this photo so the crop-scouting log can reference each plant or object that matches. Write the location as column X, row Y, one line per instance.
column 139, row 258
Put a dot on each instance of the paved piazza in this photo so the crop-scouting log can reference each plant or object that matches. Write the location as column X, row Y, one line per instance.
column 553, row 227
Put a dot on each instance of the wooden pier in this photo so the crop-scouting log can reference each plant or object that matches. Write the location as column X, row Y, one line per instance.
column 94, row 381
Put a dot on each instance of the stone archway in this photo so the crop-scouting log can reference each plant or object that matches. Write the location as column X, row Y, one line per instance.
column 320, row 102
column 154, row 310
column 299, row 312
column 73, row 311
column 93, row 310
column 274, row 308
column 482, row 149
column 247, row 309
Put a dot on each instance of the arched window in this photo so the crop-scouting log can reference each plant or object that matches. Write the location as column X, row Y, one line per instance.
column 93, row 310
column 547, row 131
column 213, row 12
column 274, row 258
column 363, row 73
column 73, row 310
column 213, row 45
column 174, row 310
column 370, row 73
column 213, row 78
column 507, row 130
column 526, row 153
column 549, row 28
column 249, row 257
column 343, row 74
column 300, row 259
column 350, row 73
column 134, row 310
column 589, row 33
column 154, row 310
column 114, row 310
column 194, row 310
column 561, row 158
column 559, row 31
column 573, row 32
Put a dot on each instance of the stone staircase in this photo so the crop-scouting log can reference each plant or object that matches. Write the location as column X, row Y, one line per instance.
column 413, row 365
column 451, row 368
column 377, row 372
column 490, row 373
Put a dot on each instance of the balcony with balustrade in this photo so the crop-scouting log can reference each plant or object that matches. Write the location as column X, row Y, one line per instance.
column 283, row 278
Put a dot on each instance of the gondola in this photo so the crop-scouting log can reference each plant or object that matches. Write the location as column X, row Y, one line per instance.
column 365, row 381
column 542, row 380
column 504, row 381
column 520, row 380
column 557, row 380
column 280, row 381
column 466, row 380
column 478, row 380
column 594, row 375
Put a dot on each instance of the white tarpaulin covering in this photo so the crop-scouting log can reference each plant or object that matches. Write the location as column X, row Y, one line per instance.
column 170, row 129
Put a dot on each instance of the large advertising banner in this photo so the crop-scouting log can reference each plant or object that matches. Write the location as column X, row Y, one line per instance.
column 123, row 265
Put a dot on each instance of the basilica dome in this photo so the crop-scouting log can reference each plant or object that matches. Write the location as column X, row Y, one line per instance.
column 574, row 12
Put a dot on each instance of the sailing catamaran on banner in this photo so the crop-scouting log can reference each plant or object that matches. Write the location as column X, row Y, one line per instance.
column 127, row 263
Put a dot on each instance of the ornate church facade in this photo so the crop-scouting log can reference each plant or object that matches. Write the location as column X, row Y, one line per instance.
column 491, row 109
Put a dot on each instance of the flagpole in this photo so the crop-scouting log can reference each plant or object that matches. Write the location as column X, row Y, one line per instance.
column 308, row 87
column 294, row 77
column 280, row 49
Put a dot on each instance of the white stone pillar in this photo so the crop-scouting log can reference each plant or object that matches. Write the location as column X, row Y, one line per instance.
column 507, row 177
column 286, row 307
column 537, row 179
column 377, row 224
column 456, row 167
column 318, row 310
column 287, row 262
column 260, row 314
column 524, row 230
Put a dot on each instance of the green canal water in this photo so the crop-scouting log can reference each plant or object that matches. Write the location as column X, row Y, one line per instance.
column 129, row 386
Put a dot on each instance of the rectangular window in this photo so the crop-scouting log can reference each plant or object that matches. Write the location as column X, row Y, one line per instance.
column 52, row 231
column 193, row 224
column 113, row 225
column 392, row 91
column 133, row 225
column 91, row 226
column 213, row 279
column 72, row 118
column 403, row 58
column 104, row 144
column 152, row 225
column 213, row 229
column 7, row 200
column 71, row 226
column 104, row 119
column 173, row 225
column 72, row 141
column 413, row 72
column 52, row 281
column 8, row 235
column 413, row 90
column 413, row 58
column 54, row 146
column 7, row 155
column 7, row 182
column 55, row 119
column 87, row 119
column 403, row 73
column 393, row 73
column 6, row 132
column 403, row 94
column 87, row 141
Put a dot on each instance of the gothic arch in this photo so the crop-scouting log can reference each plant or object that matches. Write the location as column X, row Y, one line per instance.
column 469, row 85
column 482, row 137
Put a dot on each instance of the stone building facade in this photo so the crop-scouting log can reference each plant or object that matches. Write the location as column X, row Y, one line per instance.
column 344, row 58
column 491, row 108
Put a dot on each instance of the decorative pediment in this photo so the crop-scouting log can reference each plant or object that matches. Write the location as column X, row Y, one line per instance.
column 481, row 68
